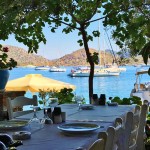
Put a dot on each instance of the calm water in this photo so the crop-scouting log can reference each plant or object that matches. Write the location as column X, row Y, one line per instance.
column 111, row 86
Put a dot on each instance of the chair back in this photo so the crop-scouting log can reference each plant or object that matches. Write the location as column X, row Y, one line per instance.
column 103, row 135
column 112, row 136
column 131, row 129
column 99, row 144
column 18, row 103
column 119, row 130
column 142, row 123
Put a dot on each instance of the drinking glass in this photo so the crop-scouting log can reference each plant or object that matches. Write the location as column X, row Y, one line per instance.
column 34, row 121
column 46, row 119
column 53, row 103
column 79, row 100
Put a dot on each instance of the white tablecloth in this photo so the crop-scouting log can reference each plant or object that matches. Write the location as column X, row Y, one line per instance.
column 51, row 138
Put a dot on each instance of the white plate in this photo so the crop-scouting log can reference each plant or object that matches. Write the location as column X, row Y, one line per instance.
column 78, row 127
column 13, row 124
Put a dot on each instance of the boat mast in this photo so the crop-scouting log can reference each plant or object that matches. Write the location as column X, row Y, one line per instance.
column 99, row 44
column 111, row 48
column 104, row 51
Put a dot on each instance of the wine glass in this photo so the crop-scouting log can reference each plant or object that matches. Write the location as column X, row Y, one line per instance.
column 46, row 119
column 79, row 100
column 53, row 103
column 34, row 121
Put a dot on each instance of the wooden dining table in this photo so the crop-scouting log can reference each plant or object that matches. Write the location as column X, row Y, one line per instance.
column 51, row 138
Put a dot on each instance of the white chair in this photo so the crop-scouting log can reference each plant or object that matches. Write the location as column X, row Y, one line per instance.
column 140, row 136
column 123, row 135
column 98, row 145
column 127, row 135
column 19, row 102
column 103, row 135
column 114, row 141
column 131, row 127
column 134, row 128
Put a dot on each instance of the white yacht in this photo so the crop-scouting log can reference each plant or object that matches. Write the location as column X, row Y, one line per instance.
column 57, row 69
column 42, row 68
column 114, row 68
column 142, row 85
column 98, row 72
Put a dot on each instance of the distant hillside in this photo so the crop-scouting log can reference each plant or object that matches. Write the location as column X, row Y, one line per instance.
column 79, row 58
column 24, row 58
column 76, row 58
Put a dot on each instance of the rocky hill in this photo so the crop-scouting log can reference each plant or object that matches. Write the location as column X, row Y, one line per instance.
column 24, row 58
column 76, row 58
column 79, row 58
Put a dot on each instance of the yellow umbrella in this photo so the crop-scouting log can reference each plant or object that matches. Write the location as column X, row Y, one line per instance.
column 34, row 82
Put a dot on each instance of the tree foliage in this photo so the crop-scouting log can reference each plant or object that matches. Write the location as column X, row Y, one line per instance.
column 26, row 20
column 131, row 22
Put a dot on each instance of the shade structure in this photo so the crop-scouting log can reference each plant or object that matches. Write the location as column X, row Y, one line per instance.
column 34, row 82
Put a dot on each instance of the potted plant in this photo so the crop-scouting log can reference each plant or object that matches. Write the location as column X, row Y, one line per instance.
column 64, row 96
column 5, row 65
column 43, row 95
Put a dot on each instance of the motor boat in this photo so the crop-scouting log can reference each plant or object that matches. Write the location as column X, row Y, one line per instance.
column 142, row 87
column 42, row 68
column 57, row 69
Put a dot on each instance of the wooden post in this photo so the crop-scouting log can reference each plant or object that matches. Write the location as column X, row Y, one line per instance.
column 1, row 105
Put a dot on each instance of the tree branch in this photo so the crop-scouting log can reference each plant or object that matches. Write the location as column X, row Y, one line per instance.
column 96, row 19
column 67, row 24
column 148, row 17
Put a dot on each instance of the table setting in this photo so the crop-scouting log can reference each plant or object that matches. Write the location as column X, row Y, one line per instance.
column 76, row 126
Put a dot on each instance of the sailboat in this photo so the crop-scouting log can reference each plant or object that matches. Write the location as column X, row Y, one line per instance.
column 57, row 68
column 142, row 84
column 99, row 71
column 114, row 66
column 44, row 67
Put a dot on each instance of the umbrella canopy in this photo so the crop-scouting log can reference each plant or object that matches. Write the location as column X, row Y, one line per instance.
column 34, row 82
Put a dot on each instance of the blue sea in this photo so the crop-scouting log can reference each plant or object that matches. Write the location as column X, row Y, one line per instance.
column 110, row 86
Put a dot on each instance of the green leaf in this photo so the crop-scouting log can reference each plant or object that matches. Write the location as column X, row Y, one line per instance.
column 89, row 38
column 53, row 30
column 66, row 19
column 80, row 42
column 145, row 52
column 96, row 33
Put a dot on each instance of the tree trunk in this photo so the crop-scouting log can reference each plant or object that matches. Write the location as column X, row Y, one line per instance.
column 90, row 60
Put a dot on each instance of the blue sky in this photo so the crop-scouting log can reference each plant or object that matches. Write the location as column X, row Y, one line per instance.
column 59, row 44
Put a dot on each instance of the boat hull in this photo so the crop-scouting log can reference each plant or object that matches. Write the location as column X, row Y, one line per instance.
column 60, row 70
column 42, row 68
column 141, row 89
column 57, row 69
column 105, row 74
